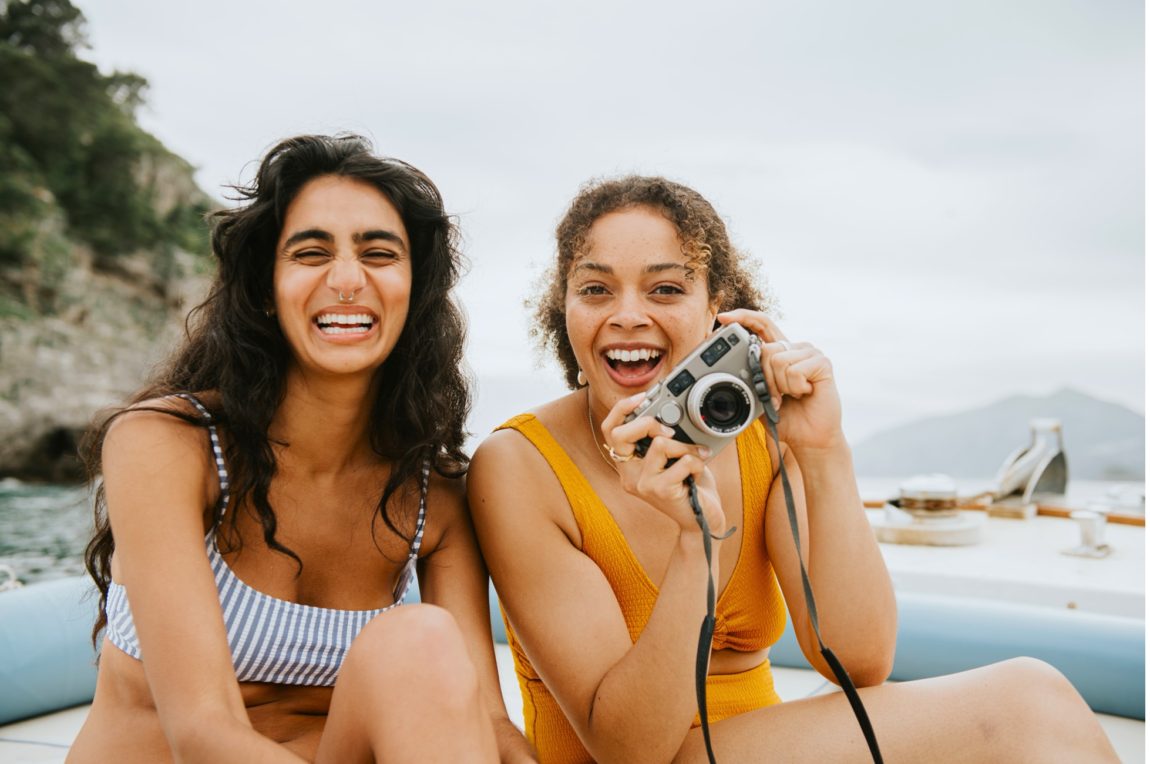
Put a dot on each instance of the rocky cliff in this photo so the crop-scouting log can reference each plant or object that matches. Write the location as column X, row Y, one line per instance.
column 57, row 370
column 103, row 247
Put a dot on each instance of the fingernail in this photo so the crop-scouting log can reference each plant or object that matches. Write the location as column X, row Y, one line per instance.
column 668, row 432
column 704, row 452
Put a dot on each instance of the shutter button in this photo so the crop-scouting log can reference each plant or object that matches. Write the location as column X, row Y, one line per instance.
column 670, row 413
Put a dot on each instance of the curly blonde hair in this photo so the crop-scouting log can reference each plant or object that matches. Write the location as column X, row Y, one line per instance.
column 730, row 275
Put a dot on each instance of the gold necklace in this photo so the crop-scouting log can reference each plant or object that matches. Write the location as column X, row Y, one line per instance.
column 594, row 439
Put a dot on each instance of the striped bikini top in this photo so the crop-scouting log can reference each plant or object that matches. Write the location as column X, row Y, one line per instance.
column 272, row 640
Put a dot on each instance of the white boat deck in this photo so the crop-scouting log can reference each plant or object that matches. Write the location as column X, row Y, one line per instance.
column 1017, row 562
column 1022, row 561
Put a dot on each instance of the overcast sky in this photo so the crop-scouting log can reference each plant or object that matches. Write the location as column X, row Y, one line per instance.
column 946, row 197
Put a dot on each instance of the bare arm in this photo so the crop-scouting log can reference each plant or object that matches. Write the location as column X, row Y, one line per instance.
column 852, row 589
column 627, row 702
column 159, row 478
column 857, row 614
column 454, row 577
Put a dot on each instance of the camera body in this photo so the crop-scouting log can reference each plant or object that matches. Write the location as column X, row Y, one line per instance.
column 709, row 398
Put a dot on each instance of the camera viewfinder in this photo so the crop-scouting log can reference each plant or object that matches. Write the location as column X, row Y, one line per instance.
column 681, row 382
column 716, row 351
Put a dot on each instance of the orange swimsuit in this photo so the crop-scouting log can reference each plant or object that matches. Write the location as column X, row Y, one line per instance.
column 749, row 615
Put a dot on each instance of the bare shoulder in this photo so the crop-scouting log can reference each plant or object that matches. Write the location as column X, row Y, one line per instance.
column 509, row 452
column 447, row 514
column 446, row 499
column 512, row 486
column 156, row 428
column 159, row 448
column 498, row 446
column 506, row 461
column 446, row 490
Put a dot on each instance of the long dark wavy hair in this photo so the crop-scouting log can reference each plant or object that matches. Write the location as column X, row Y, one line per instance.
column 236, row 350
column 730, row 275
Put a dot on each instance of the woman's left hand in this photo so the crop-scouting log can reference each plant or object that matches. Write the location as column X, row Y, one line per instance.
column 802, row 376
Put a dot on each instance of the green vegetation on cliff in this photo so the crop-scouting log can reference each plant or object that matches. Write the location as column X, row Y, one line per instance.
column 76, row 169
column 103, row 247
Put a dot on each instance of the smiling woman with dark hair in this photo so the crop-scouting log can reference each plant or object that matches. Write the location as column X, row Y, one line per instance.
column 266, row 502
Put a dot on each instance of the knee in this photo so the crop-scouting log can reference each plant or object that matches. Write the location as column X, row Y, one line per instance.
column 1045, row 705
column 1036, row 688
column 1033, row 677
column 418, row 648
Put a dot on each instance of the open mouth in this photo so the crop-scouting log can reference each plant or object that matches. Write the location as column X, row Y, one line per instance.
column 341, row 323
column 633, row 365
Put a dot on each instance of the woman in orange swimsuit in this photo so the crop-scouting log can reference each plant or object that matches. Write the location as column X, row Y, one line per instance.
column 600, row 564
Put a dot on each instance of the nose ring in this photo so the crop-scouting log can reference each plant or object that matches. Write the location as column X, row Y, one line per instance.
column 345, row 299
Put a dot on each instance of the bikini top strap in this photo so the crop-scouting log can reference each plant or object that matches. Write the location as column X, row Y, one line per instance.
column 424, row 482
column 406, row 577
column 217, row 451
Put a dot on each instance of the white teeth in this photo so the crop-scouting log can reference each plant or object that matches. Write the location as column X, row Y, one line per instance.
column 342, row 323
column 630, row 356
column 344, row 320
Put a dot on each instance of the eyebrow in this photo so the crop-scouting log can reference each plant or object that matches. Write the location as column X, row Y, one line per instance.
column 380, row 234
column 607, row 269
column 308, row 233
column 375, row 234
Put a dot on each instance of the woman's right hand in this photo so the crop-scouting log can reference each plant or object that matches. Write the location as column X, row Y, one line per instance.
column 650, row 478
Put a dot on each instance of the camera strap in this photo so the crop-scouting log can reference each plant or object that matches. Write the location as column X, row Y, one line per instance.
column 772, row 415
column 706, row 631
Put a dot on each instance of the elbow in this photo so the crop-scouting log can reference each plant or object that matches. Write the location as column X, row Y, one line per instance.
column 616, row 743
column 187, row 742
column 867, row 665
column 863, row 672
column 872, row 663
column 873, row 666
column 873, row 672
column 624, row 754
column 193, row 738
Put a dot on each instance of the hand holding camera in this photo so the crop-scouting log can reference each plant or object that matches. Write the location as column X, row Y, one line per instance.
column 709, row 398
column 801, row 382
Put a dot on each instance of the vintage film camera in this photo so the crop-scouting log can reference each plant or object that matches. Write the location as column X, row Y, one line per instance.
column 709, row 398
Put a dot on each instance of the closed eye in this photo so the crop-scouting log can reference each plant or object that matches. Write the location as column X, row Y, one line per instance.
column 379, row 257
column 310, row 257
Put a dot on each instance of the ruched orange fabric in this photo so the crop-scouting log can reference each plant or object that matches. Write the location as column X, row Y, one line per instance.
column 750, row 613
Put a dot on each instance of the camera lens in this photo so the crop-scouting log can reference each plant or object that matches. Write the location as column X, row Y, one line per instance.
column 721, row 404
column 724, row 406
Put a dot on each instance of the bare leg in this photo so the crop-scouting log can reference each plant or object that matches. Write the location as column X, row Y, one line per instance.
column 1020, row 710
column 408, row 691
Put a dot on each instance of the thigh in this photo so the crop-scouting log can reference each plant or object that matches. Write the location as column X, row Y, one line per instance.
column 976, row 716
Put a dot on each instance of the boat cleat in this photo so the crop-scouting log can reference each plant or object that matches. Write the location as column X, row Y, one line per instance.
column 1092, row 527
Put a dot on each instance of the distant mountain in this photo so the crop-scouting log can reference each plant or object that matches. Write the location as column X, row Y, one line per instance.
column 1103, row 441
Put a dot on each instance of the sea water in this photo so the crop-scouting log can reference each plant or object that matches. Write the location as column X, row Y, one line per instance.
column 43, row 530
